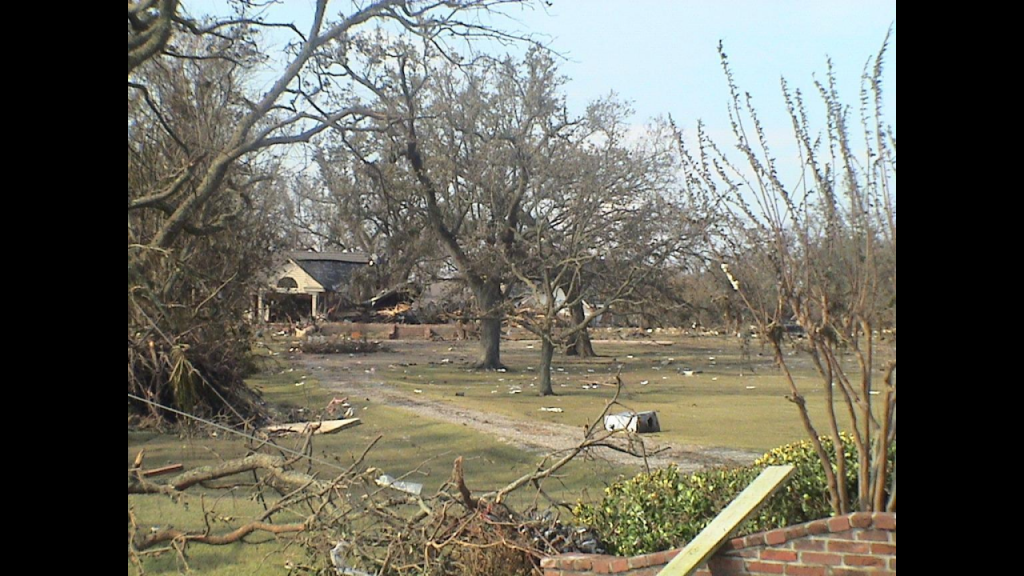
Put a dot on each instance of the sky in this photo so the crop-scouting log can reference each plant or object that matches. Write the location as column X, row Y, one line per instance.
column 661, row 55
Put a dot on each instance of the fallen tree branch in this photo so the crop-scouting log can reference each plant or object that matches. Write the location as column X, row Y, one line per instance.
column 279, row 477
column 168, row 536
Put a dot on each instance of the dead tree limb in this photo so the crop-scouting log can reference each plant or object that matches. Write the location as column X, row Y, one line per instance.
column 169, row 536
column 278, row 476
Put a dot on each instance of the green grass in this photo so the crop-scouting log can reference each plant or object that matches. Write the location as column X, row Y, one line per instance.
column 733, row 403
column 422, row 448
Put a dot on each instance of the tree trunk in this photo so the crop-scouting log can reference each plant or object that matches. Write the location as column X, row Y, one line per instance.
column 547, row 356
column 489, row 302
column 581, row 345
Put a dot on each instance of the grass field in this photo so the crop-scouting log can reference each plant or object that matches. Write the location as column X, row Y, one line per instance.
column 732, row 400
column 411, row 444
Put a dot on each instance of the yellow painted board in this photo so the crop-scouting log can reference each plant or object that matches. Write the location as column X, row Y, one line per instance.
column 325, row 427
column 711, row 540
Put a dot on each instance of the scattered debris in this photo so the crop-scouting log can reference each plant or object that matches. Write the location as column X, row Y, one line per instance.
column 338, row 559
column 418, row 391
column 645, row 383
column 460, row 394
column 318, row 428
column 337, row 406
column 553, row 410
column 638, row 423
column 386, row 481
column 751, row 387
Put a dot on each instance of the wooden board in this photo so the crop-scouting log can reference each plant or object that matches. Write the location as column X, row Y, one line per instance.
column 163, row 471
column 711, row 540
column 325, row 427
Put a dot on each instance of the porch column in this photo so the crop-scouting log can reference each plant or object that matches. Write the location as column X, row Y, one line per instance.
column 315, row 301
column 262, row 309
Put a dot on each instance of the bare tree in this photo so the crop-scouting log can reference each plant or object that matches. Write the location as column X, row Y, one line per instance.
column 820, row 255
column 459, row 144
column 199, row 150
column 597, row 234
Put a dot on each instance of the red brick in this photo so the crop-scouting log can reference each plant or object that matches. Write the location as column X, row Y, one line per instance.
column 765, row 568
column 748, row 553
column 883, row 549
column 723, row 566
column 849, row 547
column 647, row 561
column 811, row 545
column 892, row 564
column 703, row 572
column 775, row 537
column 874, row 536
column 779, row 555
column 549, row 563
column 861, row 520
column 804, row 571
column 865, row 561
column 821, row 559
column 754, row 541
column 619, row 566
column 837, row 525
column 851, row 572
column 582, row 564
column 885, row 522
column 735, row 544
column 818, row 528
column 796, row 532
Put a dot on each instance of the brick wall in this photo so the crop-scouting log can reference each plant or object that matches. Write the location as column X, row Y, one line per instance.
column 856, row 545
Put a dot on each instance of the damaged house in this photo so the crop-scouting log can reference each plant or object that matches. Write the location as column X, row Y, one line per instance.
column 309, row 285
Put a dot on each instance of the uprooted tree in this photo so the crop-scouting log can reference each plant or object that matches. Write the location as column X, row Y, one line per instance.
column 819, row 256
column 202, row 168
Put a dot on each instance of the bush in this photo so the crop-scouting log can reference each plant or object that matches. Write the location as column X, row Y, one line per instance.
column 667, row 509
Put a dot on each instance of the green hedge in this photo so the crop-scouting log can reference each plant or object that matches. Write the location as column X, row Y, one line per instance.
column 667, row 509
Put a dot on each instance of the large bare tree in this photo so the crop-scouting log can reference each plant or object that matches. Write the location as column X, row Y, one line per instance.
column 459, row 145
column 201, row 139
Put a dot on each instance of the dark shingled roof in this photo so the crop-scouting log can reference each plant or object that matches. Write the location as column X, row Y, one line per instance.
column 332, row 270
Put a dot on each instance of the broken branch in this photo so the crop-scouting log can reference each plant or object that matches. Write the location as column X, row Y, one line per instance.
column 168, row 536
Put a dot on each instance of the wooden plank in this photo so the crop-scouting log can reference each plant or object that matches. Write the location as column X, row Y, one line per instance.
column 711, row 540
column 163, row 471
column 325, row 427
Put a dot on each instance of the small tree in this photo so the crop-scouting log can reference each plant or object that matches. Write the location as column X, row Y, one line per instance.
column 820, row 255
column 595, row 232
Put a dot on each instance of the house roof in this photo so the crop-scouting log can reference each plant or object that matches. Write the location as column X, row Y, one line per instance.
column 345, row 257
column 333, row 271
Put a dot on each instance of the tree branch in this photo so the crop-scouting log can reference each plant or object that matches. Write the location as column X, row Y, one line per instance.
column 167, row 536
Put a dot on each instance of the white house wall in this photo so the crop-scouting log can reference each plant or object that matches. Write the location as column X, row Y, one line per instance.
column 307, row 285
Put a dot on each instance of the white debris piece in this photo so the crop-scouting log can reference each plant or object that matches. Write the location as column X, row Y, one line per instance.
column 338, row 559
column 553, row 410
column 407, row 487
column 638, row 423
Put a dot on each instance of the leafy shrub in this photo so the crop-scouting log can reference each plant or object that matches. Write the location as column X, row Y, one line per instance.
column 667, row 509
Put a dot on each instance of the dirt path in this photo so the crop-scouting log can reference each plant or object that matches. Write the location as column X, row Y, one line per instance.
column 337, row 373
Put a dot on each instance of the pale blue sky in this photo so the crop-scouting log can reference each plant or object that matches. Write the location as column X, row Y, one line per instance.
column 661, row 55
